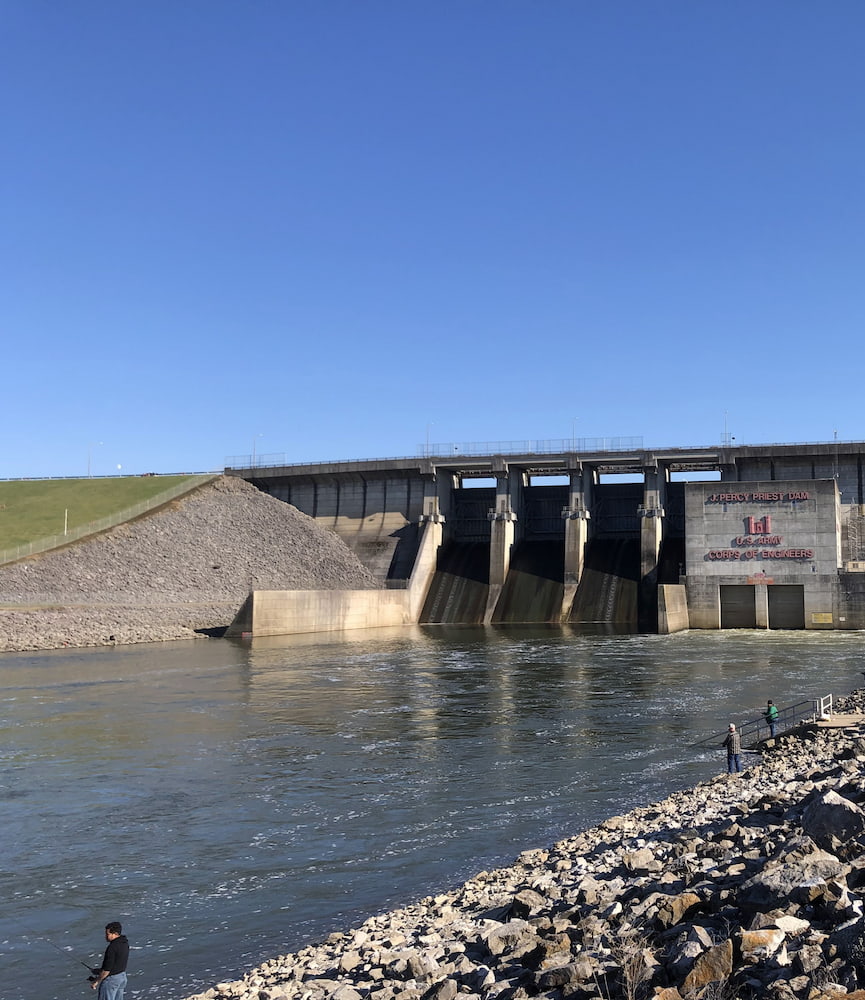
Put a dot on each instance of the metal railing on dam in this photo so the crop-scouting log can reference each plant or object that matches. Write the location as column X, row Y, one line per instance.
column 625, row 452
column 553, row 446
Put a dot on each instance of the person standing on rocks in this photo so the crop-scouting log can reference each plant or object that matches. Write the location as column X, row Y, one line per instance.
column 733, row 743
column 110, row 978
column 771, row 717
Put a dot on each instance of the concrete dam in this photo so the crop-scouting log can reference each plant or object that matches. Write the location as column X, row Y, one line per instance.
column 616, row 539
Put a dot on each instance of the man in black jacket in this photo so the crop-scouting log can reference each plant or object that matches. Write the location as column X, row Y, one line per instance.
column 110, row 977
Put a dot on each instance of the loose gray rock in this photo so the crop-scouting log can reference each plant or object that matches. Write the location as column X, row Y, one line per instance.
column 182, row 569
column 834, row 822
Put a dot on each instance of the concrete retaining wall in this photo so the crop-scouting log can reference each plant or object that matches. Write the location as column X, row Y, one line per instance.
column 289, row 612
column 672, row 609
column 424, row 567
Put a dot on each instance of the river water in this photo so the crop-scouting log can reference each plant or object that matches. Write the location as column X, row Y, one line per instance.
column 232, row 801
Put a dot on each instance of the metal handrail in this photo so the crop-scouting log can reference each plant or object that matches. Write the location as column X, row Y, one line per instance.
column 756, row 730
column 539, row 447
column 556, row 446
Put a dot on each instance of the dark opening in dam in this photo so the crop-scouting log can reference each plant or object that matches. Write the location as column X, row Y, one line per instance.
column 534, row 589
column 458, row 593
column 608, row 590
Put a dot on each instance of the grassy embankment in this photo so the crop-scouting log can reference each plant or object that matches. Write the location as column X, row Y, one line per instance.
column 33, row 509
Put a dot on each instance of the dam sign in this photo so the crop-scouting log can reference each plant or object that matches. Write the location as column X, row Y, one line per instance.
column 758, row 543
column 736, row 554
column 789, row 528
column 761, row 496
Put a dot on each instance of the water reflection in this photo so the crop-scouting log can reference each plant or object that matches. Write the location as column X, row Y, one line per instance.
column 232, row 800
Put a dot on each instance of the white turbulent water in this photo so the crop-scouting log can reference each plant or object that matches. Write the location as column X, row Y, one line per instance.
column 229, row 802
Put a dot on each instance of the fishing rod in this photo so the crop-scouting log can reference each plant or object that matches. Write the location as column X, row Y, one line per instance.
column 56, row 947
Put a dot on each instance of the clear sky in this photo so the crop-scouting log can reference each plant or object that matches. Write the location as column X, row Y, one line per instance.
column 342, row 228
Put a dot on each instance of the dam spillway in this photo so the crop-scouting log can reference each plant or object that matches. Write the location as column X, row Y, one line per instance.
column 744, row 537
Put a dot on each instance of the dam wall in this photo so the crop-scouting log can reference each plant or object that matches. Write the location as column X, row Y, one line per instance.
column 292, row 612
column 594, row 537
column 377, row 514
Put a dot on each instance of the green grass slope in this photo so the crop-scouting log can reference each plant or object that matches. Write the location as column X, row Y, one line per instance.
column 36, row 508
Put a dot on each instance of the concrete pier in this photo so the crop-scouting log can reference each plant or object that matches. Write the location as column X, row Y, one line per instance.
column 577, row 522
column 503, row 520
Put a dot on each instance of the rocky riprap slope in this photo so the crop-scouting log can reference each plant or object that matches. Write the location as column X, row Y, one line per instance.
column 747, row 886
column 187, row 567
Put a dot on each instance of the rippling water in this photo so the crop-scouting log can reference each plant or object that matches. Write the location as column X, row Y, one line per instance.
column 229, row 802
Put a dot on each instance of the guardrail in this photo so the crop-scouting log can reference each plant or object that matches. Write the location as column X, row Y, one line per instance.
column 103, row 524
column 553, row 446
column 823, row 707
column 755, row 730
column 535, row 447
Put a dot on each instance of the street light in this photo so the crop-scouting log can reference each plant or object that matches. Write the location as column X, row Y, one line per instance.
column 255, row 438
column 90, row 448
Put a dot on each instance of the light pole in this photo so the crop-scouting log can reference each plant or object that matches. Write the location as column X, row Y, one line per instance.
column 255, row 438
column 90, row 448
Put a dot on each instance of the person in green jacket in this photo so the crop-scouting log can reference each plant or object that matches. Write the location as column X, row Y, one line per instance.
column 771, row 716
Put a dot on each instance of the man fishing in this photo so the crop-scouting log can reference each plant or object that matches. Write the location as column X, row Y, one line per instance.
column 110, row 978
column 733, row 743
column 771, row 717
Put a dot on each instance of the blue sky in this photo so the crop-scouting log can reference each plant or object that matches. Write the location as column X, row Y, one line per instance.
column 339, row 229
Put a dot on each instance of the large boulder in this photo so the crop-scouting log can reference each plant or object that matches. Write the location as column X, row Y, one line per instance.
column 756, row 946
column 674, row 909
column 713, row 966
column 834, row 823
column 514, row 938
column 527, row 902
column 789, row 880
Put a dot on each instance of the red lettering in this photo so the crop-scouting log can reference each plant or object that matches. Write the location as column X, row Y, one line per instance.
column 786, row 553
column 746, row 540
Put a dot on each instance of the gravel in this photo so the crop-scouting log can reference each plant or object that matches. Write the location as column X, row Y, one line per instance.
column 173, row 574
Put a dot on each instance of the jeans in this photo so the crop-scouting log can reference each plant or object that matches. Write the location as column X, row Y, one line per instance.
column 111, row 988
column 732, row 765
